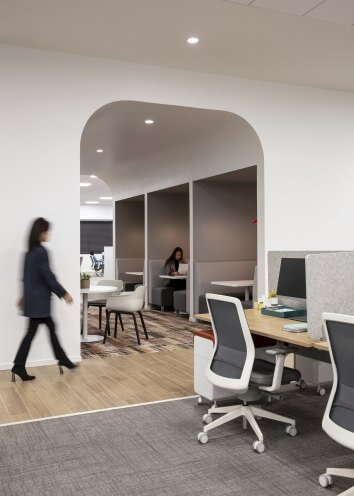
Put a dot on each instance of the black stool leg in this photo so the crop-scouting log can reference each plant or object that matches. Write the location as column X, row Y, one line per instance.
column 100, row 318
column 107, row 329
column 136, row 328
column 115, row 324
column 121, row 321
column 143, row 324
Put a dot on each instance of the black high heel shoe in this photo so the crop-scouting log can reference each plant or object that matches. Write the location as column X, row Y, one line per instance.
column 22, row 373
column 65, row 362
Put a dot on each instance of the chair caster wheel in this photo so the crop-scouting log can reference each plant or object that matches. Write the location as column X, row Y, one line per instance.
column 321, row 390
column 203, row 437
column 325, row 480
column 302, row 384
column 291, row 430
column 258, row 446
column 200, row 400
column 207, row 418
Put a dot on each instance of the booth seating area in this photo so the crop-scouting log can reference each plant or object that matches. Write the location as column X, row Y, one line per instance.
column 206, row 272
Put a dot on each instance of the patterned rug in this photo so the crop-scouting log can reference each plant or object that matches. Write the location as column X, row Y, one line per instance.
column 167, row 332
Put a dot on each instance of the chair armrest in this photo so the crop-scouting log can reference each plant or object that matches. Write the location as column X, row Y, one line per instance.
column 277, row 351
column 282, row 351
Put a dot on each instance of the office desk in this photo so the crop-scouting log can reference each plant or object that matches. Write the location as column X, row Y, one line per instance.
column 173, row 277
column 270, row 327
column 321, row 345
column 236, row 284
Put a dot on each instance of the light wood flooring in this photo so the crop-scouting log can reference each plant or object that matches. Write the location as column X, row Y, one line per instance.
column 97, row 383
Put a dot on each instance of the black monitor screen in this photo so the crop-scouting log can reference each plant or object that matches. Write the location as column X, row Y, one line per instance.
column 292, row 278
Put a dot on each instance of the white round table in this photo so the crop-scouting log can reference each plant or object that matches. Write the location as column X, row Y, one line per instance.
column 92, row 338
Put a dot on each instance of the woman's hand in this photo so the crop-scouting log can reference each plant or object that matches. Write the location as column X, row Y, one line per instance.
column 68, row 298
column 20, row 303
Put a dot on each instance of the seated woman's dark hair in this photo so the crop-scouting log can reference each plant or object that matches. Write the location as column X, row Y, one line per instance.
column 172, row 257
column 39, row 226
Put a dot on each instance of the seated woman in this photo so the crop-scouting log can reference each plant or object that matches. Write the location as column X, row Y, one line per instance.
column 172, row 266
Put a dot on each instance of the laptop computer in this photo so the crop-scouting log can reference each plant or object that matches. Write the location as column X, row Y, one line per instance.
column 183, row 269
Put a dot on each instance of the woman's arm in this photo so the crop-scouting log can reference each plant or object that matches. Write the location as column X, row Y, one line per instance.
column 48, row 275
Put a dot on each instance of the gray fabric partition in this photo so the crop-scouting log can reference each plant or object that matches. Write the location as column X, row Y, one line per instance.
column 156, row 268
column 330, row 287
column 206, row 272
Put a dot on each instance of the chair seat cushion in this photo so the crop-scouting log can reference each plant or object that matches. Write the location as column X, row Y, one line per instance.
column 344, row 417
column 97, row 303
column 263, row 372
column 180, row 300
column 162, row 296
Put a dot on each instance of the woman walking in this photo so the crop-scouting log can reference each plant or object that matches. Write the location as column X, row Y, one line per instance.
column 38, row 284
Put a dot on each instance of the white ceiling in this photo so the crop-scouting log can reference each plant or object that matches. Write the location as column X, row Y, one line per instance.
column 306, row 42
column 339, row 11
column 183, row 143
column 97, row 189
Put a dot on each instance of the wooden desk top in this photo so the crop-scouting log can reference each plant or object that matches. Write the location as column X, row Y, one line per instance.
column 321, row 345
column 271, row 327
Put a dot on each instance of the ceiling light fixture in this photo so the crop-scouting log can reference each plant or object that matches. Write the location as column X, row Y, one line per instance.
column 192, row 40
column 106, row 198
column 84, row 184
column 149, row 121
column 93, row 177
column 92, row 202
column 99, row 150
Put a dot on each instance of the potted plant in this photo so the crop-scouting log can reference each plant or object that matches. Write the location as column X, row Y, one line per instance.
column 84, row 280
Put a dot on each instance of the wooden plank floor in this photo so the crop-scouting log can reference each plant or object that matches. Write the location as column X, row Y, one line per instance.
column 97, row 383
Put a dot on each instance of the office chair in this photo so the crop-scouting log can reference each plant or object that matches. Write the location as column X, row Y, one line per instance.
column 338, row 419
column 97, row 265
column 127, row 303
column 96, row 300
column 233, row 366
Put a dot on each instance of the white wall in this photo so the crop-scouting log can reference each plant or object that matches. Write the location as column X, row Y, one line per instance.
column 46, row 99
column 96, row 212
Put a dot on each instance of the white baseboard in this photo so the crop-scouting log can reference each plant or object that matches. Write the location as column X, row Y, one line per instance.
column 39, row 363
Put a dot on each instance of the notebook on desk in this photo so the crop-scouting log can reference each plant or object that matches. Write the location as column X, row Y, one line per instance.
column 302, row 327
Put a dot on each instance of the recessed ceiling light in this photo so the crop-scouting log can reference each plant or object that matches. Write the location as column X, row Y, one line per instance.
column 92, row 202
column 149, row 121
column 99, row 150
column 93, row 177
column 192, row 40
column 106, row 198
column 85, row 184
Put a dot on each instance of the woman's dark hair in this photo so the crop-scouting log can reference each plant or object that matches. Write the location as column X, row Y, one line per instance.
column 39, row 226
column 172, row 257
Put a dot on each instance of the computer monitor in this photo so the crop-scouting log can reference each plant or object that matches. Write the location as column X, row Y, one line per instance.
column 292, row 278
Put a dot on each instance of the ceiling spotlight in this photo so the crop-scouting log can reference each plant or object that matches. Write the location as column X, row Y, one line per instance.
column 106, row 198
column 192, row 40
column 93, row 177
column 92, row 202
column 149, row 121
column 99, row 150
column 85, row 184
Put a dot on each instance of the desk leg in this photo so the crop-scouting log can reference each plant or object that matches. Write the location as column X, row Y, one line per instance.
column 247, row 293
column 85, row 338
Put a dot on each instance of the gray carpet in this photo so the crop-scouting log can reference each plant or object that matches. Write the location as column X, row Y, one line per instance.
column 152, row 450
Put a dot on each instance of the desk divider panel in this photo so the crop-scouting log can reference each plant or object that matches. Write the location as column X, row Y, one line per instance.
column 330, row 287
